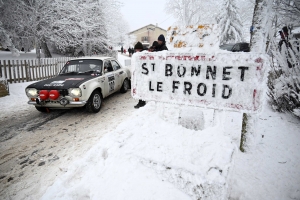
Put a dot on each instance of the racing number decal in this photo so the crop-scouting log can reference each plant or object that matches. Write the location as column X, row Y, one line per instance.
column 111, row 83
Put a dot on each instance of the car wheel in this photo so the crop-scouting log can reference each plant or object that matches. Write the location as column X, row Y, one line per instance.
column 41, row 109
column 94, row 103
column 125, row 86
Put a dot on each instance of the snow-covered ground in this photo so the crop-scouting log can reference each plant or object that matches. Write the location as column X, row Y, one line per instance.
column 151, row 155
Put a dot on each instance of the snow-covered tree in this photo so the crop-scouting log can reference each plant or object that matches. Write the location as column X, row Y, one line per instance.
column 72, row 26
column 289, row 11
column 129, row 40
column 284, row 78
column 117, row 27
column 261, row 25
column 191, row 12
column 230, row 23
column 83, row 26
column 27, row 21
column 245, row 9
column 6, row 42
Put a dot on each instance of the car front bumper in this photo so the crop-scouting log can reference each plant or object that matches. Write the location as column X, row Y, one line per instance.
column 57, row 104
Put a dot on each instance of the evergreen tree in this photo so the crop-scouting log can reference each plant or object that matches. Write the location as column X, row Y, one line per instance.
column 230, row 23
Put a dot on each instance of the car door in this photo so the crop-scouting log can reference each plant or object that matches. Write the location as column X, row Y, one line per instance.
column 119, row 73
column 110, row 77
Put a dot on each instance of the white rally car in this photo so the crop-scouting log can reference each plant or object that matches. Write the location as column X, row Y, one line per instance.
column 81, row 82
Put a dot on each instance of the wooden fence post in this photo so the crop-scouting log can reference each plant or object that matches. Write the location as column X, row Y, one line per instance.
column 27, row 72
column 1, row 68
column 17, row 70
column 4, row 68
column 22, row 71
column 10, row 74
column 13, row 70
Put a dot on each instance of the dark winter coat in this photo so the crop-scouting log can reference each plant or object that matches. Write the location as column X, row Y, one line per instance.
column 161, row 47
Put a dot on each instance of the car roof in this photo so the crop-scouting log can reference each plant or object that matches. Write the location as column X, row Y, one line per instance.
column 93, row 57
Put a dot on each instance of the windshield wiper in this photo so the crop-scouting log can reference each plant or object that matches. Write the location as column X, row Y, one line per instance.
column 70, row 73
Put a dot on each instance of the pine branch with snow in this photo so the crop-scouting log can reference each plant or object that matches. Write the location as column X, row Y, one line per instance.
column 230, row 23
column 284, row 79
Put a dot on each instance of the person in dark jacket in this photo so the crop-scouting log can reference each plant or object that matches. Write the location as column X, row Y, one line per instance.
column 153, row 47
column 138, row 47
column 161, row 43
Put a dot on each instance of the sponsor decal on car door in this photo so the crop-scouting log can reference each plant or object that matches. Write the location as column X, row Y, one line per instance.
column 111, row 82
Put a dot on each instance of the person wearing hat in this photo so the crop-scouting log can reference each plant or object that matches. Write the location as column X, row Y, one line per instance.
column 161, row 43
column 153, row 47
column 138, row 47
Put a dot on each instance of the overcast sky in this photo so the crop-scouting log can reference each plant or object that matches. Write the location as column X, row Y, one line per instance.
column 139, row 13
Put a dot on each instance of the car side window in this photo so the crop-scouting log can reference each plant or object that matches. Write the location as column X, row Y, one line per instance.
column 108, row 66
column 245, row 47
column 115, row 65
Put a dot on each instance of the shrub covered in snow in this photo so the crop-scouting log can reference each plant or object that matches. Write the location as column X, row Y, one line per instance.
column 284, row 78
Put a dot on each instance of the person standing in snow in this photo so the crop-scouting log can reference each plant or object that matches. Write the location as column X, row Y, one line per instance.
column 138, row 47
column 129, row 51
column 161, row 43
column 122, row 50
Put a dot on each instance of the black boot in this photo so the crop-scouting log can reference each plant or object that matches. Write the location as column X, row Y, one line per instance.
column 140, row 104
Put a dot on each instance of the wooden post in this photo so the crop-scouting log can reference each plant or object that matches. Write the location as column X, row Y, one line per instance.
column 27, row 71
column 38, row 63
column 10, row 74
column 4, row 68
column 14, row 71
column 18, row 70
column 33, row 70
column 42, row 66
column 49, row 68
column 22, row 71
column 1, row 74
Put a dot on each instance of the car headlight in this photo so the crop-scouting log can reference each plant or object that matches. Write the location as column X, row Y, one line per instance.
column 75, row 92
column 31, row 92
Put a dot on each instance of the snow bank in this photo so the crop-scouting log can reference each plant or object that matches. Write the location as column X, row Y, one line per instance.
column 166, row 161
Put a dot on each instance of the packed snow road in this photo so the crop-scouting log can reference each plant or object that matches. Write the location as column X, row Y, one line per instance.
column 34, row 143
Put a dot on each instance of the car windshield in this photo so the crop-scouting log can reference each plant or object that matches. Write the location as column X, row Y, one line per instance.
column 84, row 66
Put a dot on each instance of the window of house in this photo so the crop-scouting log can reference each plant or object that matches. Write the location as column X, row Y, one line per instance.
column 145, row 38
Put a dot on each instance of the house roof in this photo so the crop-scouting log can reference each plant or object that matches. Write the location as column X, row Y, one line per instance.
column 144, row 27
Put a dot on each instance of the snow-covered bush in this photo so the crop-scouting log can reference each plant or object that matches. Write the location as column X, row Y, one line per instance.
column 284, row 78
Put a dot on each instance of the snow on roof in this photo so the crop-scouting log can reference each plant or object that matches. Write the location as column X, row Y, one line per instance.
column 144, row 27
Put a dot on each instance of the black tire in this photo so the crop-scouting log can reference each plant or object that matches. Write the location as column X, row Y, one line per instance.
column 94, row 103
column 125, row 86
column 41, row 109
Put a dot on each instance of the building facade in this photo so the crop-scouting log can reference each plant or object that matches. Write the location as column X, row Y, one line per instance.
column 148, row 34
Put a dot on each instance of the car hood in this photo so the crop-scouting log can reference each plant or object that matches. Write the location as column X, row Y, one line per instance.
column 61, row 82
